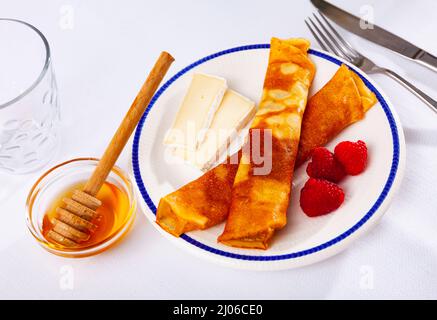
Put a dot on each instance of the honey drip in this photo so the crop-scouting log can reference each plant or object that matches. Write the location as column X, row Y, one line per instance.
column 111, row 214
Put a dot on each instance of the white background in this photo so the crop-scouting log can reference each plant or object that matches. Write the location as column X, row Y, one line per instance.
column 100, row 63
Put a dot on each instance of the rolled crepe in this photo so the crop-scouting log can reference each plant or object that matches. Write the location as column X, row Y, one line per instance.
column 342, row 101
column 207, row 199
column 199, row 204
column 261, row 190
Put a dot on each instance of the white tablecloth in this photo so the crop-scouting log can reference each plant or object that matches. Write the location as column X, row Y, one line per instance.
column 101, row 52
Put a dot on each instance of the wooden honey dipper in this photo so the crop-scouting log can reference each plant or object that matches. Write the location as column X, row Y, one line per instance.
column 73, row 222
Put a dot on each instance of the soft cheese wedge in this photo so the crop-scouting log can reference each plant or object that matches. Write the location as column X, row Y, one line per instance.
column 234, row 114
column 196, row 112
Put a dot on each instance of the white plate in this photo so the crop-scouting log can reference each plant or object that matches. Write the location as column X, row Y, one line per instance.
column 304, row 240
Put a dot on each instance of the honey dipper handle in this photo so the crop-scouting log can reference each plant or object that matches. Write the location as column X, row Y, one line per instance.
column 128, row 124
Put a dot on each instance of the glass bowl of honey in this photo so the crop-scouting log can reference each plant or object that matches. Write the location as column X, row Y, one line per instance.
column 114, row 217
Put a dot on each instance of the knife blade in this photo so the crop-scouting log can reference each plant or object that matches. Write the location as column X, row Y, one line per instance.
column 377, row 34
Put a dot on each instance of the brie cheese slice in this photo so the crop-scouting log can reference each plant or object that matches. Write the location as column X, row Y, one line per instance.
column 233, row 115
column 197, row 111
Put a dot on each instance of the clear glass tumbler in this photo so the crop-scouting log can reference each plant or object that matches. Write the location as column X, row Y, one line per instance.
column 29, row 107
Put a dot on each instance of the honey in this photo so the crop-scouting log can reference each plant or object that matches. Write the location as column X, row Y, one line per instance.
column 111, row 215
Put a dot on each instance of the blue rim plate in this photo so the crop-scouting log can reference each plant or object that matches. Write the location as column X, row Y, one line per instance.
column 305, row 256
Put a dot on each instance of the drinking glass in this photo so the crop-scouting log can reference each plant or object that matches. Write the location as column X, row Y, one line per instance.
column 29, row 107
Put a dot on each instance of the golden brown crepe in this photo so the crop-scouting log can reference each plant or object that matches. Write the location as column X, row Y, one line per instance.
column 260, row 198
column 342, row 101
column 208, row 199
column 199, row 204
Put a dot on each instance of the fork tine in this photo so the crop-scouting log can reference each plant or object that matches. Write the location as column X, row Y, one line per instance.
column 316, row 36
column 339, row 37
column 334, row 41
column 326, row 41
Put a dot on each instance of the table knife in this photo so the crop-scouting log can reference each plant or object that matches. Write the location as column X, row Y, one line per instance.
column 376, row 34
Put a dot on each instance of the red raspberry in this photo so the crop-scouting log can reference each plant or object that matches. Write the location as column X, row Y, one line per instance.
column 352, row 155
column 319, row 197
column 323, row 165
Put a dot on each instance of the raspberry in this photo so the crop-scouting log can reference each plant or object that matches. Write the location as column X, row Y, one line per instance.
column 352, row 155
column 323, row 165
column 319, row 197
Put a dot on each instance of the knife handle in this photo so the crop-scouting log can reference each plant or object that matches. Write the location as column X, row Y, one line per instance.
column 428, row 60
column 419, row 93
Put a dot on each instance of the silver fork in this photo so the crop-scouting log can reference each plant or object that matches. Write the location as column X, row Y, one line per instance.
column 330, row 40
